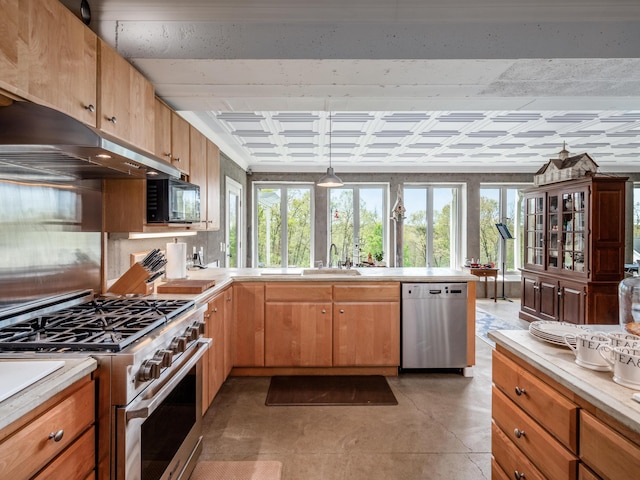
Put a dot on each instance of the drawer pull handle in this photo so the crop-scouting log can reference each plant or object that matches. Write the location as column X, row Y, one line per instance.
column 520, row 391
column 56, row 436
column 113, row 120
column 215, row 310
column 324, row 311
column 518, row 476
column 90, row 107
column 519, row 433
column 341, row 311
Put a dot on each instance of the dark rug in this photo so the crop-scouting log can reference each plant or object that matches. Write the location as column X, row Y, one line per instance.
column 330, row 390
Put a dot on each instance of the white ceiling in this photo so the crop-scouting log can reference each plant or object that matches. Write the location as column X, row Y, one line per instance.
column 411, row 85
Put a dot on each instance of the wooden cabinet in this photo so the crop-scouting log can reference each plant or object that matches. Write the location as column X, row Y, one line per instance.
column 49, row 56
column 11, row 43
column 229, row 332
column 298, row 325
column 574, row 250
column 180, row 151
column 58, row 442
column 162, row 133
column 543, row 429
column 126, row 100
column 213, row 371
column 205, row 172
column 366, row 324
column 248, row 303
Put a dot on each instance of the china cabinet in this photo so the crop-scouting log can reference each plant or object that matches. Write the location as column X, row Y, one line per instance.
column 573, row 250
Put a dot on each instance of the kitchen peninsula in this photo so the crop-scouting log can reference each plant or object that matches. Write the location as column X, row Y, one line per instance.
column 555, row 419
column 319, row 321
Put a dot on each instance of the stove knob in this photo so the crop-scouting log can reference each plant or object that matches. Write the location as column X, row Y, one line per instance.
column 192, row 333
column 165, row 357
column 178, row 344
column 149, row 370
column 200, row 326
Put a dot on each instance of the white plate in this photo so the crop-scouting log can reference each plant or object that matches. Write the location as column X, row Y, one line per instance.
column 554, row 332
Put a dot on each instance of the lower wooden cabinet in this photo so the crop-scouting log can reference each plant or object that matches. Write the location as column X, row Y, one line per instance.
column 248, row 301
column 542, row 430
column 58, row 443
column 216, row 360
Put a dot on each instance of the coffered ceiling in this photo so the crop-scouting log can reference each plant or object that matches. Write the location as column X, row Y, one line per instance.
column 408, row 85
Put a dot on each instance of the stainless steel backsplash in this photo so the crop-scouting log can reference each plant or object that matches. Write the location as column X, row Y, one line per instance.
column 50, row 238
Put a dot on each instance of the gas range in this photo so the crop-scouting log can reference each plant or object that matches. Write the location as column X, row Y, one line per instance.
column 103, row 324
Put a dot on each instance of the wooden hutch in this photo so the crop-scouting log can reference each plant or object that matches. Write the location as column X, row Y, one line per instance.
column 573, row 250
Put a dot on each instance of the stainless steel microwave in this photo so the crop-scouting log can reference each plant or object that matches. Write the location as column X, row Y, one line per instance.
column 172, row 201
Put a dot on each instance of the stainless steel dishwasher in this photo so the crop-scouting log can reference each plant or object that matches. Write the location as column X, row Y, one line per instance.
column 434, row 325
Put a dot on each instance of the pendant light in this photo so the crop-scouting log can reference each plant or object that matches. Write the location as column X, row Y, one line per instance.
column 330, row 179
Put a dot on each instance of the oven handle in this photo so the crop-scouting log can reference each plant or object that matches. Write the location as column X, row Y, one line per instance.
column 145, row 408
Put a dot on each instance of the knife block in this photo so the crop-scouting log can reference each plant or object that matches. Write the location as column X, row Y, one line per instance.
column 134, row 280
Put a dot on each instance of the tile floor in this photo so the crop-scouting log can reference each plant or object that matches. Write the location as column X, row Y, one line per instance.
column 440, row 428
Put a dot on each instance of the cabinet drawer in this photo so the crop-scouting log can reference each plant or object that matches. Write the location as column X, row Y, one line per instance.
column 367, row 292
column 510, row 459
column 605, row 451
column 76, row 463
column 551, row 458
column 297, row 292
column 553, row 411
column 72, row 415
column 496, row 472
column 585, row 474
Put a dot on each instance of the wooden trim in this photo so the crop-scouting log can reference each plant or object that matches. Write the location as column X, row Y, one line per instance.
column 270, row 371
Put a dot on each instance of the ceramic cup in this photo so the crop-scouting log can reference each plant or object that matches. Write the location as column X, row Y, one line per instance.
column 625, row 363
column 586, row 349
column 624, row 340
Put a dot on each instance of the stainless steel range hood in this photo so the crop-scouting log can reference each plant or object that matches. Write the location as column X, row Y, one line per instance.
column 38, row 142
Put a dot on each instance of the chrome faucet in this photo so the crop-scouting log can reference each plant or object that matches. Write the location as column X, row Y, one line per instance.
column 331, row 249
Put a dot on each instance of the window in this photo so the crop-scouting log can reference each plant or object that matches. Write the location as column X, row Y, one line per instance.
column 501, row 204
column 358, row 222
column 283, row 226
column 431, row 228
column 636, row 222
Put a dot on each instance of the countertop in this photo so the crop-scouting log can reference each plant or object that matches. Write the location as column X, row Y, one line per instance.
column 226, row 276
column 35, row 395
column 557, row 362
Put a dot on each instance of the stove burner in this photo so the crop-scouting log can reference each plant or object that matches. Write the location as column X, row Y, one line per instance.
column 103, row 324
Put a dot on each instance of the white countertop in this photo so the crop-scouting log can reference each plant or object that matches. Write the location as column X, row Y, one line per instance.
column 557, row 362
column 31, row 397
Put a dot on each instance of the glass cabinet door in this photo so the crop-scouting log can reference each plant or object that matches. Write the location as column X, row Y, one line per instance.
column 534, row 230
column 573, row 231
column 553, row 235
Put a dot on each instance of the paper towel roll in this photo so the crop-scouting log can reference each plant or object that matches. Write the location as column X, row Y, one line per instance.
column 176, row 261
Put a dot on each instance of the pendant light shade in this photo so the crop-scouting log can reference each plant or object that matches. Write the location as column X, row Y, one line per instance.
column 330, row 179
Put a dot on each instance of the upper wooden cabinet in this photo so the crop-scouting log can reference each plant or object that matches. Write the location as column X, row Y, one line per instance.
column 48, row 56
column 205, row 172
column 126, row 100
column 9, row 44
column 162, row 121
column 180, row 151
column 574, row 250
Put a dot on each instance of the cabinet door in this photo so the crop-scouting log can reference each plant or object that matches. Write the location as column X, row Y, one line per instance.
column 60, row 67
column 573, row 231
column 548, row 294
column 180, row 154
column 198, row 168
column 529, row 294
column 510, row 459
column 553, row 232
column 366, row 334
column 213, row 187
column 248, row 302
column 572, row 303
column 534, row 230
column 126, row 100
column 10, row 44
column 216, row 372
column 298, row 334
column 162, row 134
column 76, row 463
column 228, row 332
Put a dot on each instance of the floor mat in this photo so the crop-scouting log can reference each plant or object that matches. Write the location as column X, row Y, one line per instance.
column 486, row 322
column 259, row 470
column 330, row 390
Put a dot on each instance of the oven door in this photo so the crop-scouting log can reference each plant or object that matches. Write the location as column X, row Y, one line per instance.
column 159, row 435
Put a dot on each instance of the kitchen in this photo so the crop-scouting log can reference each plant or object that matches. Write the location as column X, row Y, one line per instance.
column 117, row 246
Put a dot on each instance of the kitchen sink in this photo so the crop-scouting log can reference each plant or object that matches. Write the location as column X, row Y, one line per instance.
column 330, row 271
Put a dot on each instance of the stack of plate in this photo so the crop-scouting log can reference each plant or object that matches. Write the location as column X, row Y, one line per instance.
column 554, row 332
